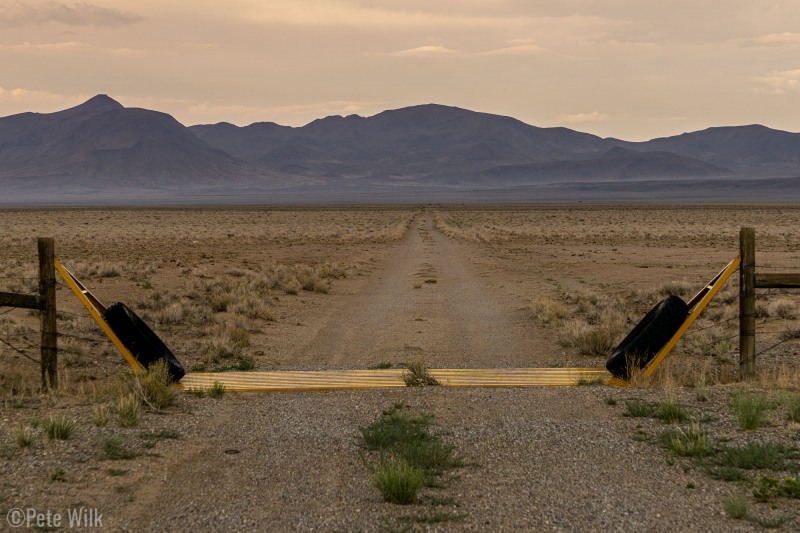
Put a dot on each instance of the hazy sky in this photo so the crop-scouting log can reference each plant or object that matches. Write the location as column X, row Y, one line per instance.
column 633, row 69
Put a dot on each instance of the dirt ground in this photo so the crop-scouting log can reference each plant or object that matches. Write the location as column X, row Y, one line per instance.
column 452, row 286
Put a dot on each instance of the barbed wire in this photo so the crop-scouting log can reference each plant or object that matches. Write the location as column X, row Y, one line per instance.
column 72, row 336
column 775, row 267
column 710, row 326
column 699, row 347
column 8, row 311
column 68, row 313
column 19, row 334
column 765, row 350
column 25, row 355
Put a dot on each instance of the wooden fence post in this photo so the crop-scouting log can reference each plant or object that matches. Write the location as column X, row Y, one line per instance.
column 47, row 292
column 747, row 304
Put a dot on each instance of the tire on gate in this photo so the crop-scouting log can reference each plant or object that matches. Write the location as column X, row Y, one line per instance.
column 648, row 337
column 140, row 340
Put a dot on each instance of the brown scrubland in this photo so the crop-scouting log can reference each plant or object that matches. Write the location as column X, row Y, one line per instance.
column 268, row 288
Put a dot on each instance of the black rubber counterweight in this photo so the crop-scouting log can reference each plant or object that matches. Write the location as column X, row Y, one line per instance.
column 140, row 340
column 648, row 337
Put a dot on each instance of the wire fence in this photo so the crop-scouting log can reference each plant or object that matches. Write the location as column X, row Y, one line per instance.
column 20, row 351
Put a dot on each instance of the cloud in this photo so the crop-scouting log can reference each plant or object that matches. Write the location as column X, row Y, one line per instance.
column 426, row 51
column 19, row 100
column 779, row 82
column 516, row 50
column 14, row 13
column 776, row 39
column 189, row 111
column 67, row 46
column 576, row 118
column 73, row 47
column 516, row 47
column 402, row 16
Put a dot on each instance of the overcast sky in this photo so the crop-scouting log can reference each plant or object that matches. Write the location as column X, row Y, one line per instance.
column 633, row 69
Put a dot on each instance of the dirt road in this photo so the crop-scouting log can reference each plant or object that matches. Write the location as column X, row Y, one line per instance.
column 428, row 303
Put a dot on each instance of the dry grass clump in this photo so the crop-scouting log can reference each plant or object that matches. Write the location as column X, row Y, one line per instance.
column 101, row 415
column 680, row 288
column 417, row 374
column 254, row 308
column 14, row 383
column 25, row 436
column 708, row 344
column 782, row 308
column 151, row 387
column 597, row 324
column 18, row 276
column 97, row 269
column 58, row 427
column 129, row 410
column 228, row 343
column 596, row 340
column 548, row 310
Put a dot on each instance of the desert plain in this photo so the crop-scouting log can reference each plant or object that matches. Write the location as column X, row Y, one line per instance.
column 451, row 286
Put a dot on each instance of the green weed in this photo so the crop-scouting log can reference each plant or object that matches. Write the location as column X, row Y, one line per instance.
column 59, row 427
column 398, row 481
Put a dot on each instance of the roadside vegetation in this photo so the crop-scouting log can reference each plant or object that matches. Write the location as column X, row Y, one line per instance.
column 749, row 444
column 405, row 457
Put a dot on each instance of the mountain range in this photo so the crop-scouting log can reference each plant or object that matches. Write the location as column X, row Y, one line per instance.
column 102, row 152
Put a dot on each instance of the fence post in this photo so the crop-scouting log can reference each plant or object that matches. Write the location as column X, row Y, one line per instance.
column 47, row 291
column 747, row 304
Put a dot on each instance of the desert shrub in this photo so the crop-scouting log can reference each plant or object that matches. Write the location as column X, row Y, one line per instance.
column 678, row 288
column 101, row 415
column 782, row 308
column 793, row 407
column 418, row 375
column 597, row 340
column 311, row 281
column 99, row 269
column 59, row 474
column 151, row 387
column 754, row 455
column 116, row 449
column 669, row 411
column 736, row 507
column 129, row 409
column 750, row 410
column 548, row 310
column 59, row 427
column 24, row 436
column 639, row 409
column 173, row 314
column 708, row 345
column 691, row 443
column 769, row 487
column 217, row 390
column 253, row 308
column 398, row 481
column 219, row 297
column 157, row 301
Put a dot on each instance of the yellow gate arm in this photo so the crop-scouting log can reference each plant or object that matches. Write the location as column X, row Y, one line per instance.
column 96, row 309
column 696, row 306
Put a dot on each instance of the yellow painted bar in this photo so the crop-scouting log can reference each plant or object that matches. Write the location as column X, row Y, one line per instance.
column 318, row 380
column 697, row 304
column 95, row 309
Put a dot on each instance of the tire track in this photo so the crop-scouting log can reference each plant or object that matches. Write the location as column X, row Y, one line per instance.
column 429, row 304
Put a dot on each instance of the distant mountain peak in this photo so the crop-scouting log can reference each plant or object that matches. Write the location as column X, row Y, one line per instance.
column 101, row 102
